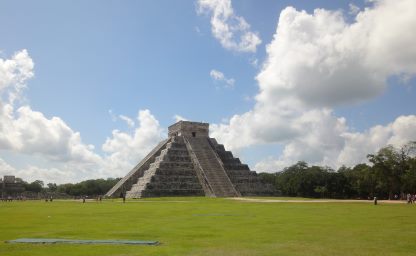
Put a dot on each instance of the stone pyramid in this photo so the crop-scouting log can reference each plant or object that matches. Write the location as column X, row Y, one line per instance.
column 190, row 163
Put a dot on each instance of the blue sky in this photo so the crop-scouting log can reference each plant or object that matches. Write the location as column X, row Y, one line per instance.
column 96, row 61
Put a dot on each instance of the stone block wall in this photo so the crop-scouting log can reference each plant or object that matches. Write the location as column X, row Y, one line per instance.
column 245, row 181
column 190, row 129
column 174, row 174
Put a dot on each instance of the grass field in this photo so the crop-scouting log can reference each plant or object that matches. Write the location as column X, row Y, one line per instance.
column 209, row 226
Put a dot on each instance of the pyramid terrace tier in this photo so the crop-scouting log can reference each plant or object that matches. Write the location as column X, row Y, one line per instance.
column 247, row 182
column 189, row 163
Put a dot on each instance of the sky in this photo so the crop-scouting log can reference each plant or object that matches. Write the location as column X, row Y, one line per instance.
column 88, row 88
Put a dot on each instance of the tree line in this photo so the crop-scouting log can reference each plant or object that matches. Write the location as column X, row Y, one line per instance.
column 391, row 173
column 84, row 188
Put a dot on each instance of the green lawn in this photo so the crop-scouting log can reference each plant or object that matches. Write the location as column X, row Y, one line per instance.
column 209, row 226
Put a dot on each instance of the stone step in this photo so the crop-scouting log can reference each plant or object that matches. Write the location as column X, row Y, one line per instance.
column 212, row 168
column 166, row 171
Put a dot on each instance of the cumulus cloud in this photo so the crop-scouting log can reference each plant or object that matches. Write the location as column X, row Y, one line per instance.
column 397, row 133
column 315, row 63
column 63, row 154
column 30, row 132
column 60, row 173
column 14, row 73
column 338, row 146
column 26, row 131
column 321, row 60
column 5, row 168
column 219, row 76
column 231, row 30
column 124, row 149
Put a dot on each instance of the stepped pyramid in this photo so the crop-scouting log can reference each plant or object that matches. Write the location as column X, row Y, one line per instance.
column 190, row 163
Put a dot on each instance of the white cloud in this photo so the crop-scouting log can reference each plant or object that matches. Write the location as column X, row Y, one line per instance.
column 130, row 123
column 5, row 168
column 231, row 30
column 64, row 156
column 321, row 60
column 219, row 76
column 125, row 149
column 26, row 131
column 55, row 175
column 128, row 120
column 336, row 146
column 178, row 118
column 30, row 132
column 353, row 9
column 60, row 173
column 315, row 63
column 14, row 73
column 358, row 145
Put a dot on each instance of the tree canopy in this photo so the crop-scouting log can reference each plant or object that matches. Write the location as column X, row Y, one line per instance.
column 391, row 171
column 83, row 188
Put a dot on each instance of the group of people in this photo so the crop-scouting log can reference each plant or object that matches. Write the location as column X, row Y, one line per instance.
column 98, row 199
column 10, row 198
column 411, row 198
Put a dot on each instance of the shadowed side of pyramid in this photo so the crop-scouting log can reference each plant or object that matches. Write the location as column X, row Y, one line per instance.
column 190, row 163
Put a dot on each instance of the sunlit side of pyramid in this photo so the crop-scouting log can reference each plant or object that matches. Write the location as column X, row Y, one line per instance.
column 190, row 163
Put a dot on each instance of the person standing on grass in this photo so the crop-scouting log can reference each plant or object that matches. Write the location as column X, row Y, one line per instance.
column 409, row 198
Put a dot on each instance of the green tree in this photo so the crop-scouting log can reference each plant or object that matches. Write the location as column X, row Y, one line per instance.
column 391, row 166
column 321, row 190
column 36, row 186
column 408, row 153
column 52, row 187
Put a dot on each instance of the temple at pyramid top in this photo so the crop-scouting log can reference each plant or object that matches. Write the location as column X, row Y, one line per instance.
column 190, row 129
column 190, row 163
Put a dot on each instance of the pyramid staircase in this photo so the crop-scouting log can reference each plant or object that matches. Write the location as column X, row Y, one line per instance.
column 212, row 168
column 127, row 181
column 172, row 173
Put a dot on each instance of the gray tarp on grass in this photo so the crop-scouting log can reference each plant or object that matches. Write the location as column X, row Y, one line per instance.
column 75, row 241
